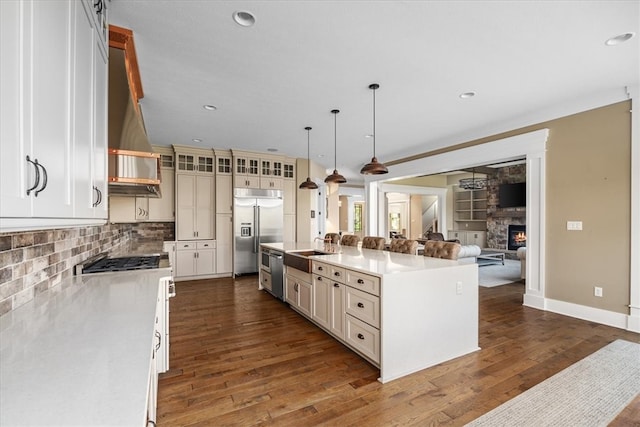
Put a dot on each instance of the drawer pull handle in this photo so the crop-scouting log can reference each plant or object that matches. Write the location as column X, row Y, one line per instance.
column 360, row 281
column 361, row 305
column 335, row 285
column 320, row 268
column 337, row 273
column 361, row 336
column 319, row 279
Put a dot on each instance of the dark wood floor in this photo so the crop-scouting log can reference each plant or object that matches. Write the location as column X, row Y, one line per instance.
column 240, row 357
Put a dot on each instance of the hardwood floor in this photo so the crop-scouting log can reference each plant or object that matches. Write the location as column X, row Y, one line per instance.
column 241, row 357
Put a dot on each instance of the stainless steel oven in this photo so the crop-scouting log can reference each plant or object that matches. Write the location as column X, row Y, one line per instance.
column 265, row 260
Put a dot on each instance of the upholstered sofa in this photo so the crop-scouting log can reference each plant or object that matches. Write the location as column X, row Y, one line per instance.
column 466, row 254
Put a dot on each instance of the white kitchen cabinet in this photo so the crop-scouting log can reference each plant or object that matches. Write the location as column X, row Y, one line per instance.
column 298, row 291
column 337, row 313
column 162, row 209
column 128, row 209
column 195, row 210
column 53, row 114
column 224, row 194
column 289, row 228
column 170, row 248
column 246, row 171
column 195, row 259
column 321, row 312
column 478, row 238
column 270, row 183
column 224, row 244
column 289, row 188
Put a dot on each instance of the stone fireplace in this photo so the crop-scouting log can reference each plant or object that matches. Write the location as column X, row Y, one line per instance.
column 499, row 220
column 517, row 237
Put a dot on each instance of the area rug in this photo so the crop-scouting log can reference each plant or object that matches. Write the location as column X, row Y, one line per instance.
column 498, row 274
column 591, row 392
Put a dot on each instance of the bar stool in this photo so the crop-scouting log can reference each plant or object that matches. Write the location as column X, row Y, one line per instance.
column 404, row 246
column 373, row 242
column 350, row 240
column 440, row 249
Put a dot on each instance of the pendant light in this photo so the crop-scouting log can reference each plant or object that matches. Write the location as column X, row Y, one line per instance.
column 335, row 177
column 308, row 184
column 375, row 167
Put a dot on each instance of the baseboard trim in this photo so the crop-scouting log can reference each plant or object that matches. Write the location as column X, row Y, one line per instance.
column 534, row 301
column 598, row 315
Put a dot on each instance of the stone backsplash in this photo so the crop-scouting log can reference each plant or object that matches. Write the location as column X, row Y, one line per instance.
column 34, row 261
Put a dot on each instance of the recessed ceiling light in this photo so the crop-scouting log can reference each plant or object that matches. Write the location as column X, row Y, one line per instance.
column 619, row 39
column 244, row 18
column 197, row 140
column 467, row 95
column 273, row 150
column 209, row 107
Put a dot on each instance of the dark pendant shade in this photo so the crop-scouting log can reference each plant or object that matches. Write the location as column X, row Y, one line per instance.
column 308, row 185
column 335, row 178
column 374, row 168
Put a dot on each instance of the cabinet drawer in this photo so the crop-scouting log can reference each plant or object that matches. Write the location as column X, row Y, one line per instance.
column 364, row 306
column 184, row 246
column 265, row 280
column 364, row 282
column 337, row 274
column 363, row 338
column 206, row 244
column 321, row 268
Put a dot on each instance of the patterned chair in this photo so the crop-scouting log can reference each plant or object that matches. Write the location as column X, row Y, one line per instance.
column 335, row 238
column 440, row 249
column 404, row 246
column 373, row 242
column 350, row 240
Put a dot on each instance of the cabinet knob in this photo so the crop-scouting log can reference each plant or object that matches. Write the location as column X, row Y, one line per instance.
column 336, row 273
column 360, row 281
column 335, row 285
column 361, row 336
column 361, row 305
column 319, row 279
column 320, row 268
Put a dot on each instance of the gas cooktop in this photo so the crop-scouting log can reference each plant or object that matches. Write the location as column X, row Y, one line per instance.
column 123, row 264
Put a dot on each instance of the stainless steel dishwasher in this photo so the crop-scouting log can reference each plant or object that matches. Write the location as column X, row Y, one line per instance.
column 277, row 279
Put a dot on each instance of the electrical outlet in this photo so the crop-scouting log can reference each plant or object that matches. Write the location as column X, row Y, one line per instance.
column 574, row 225
column 459, row 288
column 597, row 291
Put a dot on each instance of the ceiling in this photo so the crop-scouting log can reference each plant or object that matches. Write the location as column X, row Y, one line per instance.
column 527, row 61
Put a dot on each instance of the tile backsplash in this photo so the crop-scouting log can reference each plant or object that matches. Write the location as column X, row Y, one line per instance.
column 32, row 262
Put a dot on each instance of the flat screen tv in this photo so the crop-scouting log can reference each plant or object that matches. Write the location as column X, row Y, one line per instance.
column 513, row 195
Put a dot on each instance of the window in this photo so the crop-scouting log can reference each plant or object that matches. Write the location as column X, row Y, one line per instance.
column 357, row 217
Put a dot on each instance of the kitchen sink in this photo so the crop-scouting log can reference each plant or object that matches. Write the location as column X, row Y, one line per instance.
column 300, row 259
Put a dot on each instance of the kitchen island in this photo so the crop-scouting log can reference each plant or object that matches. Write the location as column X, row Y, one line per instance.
column 82, row 353
column 402, row 313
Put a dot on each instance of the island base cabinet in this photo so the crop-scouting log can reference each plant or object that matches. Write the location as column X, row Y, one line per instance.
column 299, row 294
column 338, row 310
column 363, row 338
column 321, row 301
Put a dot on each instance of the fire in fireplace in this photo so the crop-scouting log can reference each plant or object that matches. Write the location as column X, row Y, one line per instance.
column 517, row 237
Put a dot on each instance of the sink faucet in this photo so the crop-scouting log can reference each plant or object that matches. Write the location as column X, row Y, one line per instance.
column 327, row 243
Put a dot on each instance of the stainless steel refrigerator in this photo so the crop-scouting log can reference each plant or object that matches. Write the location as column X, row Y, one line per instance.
column 258, row 218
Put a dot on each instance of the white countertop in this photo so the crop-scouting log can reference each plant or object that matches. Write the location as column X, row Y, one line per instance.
column 79, row 354
column 371, row 261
